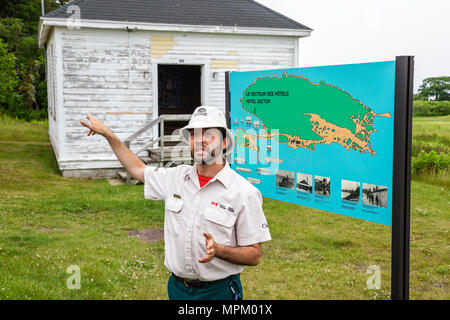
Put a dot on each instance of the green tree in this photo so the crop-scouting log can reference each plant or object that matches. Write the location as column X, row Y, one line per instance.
column 23, row 91
column 28, row 11
column 11, row 31
column 435, row 88
column 9, row 97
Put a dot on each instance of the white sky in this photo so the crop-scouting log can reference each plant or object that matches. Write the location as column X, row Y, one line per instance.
column 354, row 31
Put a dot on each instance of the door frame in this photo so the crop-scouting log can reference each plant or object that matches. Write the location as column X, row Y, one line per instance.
column 204, row 82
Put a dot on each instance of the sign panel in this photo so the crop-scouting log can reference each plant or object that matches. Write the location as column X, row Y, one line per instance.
column 321, row 137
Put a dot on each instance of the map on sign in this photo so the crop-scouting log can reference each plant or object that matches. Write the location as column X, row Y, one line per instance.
column 306, row 114
column 320, row 137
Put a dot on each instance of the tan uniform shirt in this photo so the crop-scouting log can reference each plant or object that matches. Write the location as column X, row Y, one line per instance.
column 228, row 207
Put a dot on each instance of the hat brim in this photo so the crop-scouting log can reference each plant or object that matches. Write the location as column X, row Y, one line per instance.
column 185, row 134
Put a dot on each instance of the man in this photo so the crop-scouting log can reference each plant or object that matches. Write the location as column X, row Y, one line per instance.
column 213, row 223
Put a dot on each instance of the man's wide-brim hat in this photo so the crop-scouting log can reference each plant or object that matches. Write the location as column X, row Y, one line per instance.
column 208, row 117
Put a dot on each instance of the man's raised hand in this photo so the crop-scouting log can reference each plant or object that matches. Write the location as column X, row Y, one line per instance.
column 96, row 125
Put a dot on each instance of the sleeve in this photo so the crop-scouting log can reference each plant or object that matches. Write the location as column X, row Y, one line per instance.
column 156, row 182
column 251, row 224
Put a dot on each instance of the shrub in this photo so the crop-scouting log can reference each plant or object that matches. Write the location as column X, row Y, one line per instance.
column 431, row 108
column 430, row 162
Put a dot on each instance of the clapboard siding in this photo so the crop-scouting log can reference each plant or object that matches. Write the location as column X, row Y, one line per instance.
column 104, row 73
column 109, row 73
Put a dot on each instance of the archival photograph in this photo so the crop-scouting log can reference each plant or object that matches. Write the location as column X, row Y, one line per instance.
column 285, row 179
column 350, row 190
column 375, row 195
column 322, row 185
column 304, row 182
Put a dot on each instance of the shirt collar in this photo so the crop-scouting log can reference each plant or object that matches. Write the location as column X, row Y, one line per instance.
column 223, row 175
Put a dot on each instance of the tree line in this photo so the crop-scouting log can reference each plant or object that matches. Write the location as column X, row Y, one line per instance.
column 23, row 88
column 434, row 89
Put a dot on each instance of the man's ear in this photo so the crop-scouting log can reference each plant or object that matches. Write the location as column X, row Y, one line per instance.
column 226, row 142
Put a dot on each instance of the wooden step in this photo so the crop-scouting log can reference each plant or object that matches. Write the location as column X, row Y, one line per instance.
column 175, row 153
column 173, row 138
column 148, row 160
column 170, row 149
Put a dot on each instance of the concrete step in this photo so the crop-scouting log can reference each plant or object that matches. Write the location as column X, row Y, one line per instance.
column 123, row 176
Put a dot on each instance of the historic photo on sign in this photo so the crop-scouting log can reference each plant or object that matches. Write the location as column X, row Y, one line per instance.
column 304, row 182
column 375, row 195
column 322, row 185
column 285, row 179
column 350, row 190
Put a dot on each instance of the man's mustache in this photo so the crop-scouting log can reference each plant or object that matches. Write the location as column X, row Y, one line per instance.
column 211, row 153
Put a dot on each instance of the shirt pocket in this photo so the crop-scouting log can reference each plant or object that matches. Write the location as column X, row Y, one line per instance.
column 219, row 224
column 172, row 221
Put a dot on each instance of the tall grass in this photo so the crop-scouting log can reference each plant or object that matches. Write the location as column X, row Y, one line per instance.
column 430, row 149
column 15, row 129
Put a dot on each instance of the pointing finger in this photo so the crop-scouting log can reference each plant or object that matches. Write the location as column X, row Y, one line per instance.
column 84, row 123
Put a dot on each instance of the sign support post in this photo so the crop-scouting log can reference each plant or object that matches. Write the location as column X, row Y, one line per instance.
column 404, row 72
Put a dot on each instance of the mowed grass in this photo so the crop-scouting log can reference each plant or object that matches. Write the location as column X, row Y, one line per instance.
column 438, row 126
column 48, row 223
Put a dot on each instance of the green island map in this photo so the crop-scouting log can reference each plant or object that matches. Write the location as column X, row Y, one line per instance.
column 303, row 114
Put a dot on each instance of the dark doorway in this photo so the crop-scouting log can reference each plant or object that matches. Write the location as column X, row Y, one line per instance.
column 179, row 92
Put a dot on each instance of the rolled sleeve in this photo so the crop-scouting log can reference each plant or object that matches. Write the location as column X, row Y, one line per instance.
column 251, row 224
column 155, row 183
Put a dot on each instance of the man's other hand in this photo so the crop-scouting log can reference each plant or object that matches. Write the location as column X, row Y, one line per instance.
column 211, row 248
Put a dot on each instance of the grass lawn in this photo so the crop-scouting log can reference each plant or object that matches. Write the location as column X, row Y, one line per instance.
column 49, row 223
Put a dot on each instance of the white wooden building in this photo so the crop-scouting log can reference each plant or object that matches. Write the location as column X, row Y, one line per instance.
column 129, row 62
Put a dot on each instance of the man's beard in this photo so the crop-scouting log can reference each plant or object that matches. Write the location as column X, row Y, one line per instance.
column 211, row 155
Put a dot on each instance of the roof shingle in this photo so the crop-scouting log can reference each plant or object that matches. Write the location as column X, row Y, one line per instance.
column 240, row 13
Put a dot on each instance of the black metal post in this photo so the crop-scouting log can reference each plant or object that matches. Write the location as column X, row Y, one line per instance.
column 227, row 98
column 227, row 105
column 404, row 72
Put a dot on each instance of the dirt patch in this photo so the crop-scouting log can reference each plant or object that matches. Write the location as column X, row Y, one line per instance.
column 148, row 235
column 47, row 229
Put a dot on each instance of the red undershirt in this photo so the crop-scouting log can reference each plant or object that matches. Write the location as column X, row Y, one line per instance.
column 203, row 180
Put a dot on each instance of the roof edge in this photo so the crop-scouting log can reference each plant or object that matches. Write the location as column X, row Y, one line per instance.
column 281, row 15
column 46, row 22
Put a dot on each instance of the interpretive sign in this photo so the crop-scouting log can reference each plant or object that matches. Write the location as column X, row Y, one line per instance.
column 320, row 137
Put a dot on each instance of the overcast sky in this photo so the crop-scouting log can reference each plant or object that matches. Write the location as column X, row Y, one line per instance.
column 353, row 31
